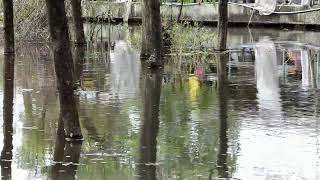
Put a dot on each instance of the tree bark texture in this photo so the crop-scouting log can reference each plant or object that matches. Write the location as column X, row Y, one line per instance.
column 9, row 58
column 77, row 22
column 222, row 25
column 151, row 31
column 8, row 26
column 79, row 58
column 6, row 153
column 63, row 66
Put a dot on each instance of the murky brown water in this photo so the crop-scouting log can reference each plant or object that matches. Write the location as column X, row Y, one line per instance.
column 260, row 121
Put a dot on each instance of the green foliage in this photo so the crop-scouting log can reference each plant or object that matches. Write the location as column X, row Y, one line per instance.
column 187, row 38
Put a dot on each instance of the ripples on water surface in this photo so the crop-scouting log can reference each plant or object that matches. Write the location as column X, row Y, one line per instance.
column 265, row 126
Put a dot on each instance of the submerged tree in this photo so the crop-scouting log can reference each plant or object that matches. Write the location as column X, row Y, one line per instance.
column 151, row 32
column 6, row 153
column 58, row 28
column 77, row 22
column 79, row 58
column 222, row 59
column 222, row 25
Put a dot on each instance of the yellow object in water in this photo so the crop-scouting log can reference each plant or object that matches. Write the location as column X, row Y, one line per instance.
column 194, row 86
column 88, row 83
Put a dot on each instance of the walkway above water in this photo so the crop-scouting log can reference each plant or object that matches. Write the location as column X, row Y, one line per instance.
column 239, row 15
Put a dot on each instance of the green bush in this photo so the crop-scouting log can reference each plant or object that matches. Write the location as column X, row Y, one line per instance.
column 187, row 38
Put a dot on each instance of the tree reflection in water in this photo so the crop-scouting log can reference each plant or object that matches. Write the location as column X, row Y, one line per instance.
column 6, row 153
column 150, row 127
column 222, row 166
column 66, row 156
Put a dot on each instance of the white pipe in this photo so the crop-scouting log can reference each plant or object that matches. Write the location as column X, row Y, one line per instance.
column 248, row 6
column 280, row 13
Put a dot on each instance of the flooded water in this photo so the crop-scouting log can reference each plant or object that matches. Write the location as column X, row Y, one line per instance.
column 257, row 118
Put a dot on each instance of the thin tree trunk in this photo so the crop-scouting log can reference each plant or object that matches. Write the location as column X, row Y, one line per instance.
column 222, row 25
column 6, row 153
column 151, row 31
column 79, row 58
column 8, row 26
column 63, row 66
column 77, row 22
column 222, row 59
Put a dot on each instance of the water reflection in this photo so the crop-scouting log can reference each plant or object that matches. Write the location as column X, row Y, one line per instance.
column 6, row 153
column 266, row 68
column 149, row 130
column 125, row 70
column 234, row 129
column 66, row 156
column 223, row 96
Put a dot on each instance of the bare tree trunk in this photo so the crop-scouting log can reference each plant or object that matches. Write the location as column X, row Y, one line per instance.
column 79, row 55
column 222, row 25
column 222, row 59
column 8, row 26
column 77, row 22
column 64, row 67
column 6, row 153
column 151, row 31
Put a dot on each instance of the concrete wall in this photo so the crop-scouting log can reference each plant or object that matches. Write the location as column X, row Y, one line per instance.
column 206, row 13
column 236, row 36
